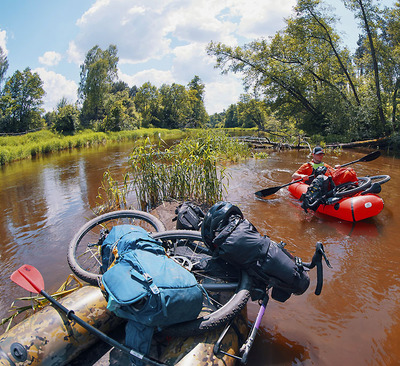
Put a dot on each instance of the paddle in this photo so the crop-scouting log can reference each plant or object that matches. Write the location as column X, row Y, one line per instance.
column 29, row 278
column 268, row 191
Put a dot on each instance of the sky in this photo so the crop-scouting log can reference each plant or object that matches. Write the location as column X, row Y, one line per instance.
column 158, row 41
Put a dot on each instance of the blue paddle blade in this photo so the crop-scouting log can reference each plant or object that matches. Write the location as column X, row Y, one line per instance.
column 29, row 278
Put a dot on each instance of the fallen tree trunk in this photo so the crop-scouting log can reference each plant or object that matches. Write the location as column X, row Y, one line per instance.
column 373, row 143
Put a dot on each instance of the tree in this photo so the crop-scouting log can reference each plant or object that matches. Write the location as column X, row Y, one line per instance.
column 98, row 73
column 390, row 47
column 306, row 76
column 175, row 109
column 20, row 102
column 231, row 117
column 120, row 113
column 217, row 120
column 147, row 103
column 66, row 119
column 252, row 112
column 367, row 13
column 198, row 116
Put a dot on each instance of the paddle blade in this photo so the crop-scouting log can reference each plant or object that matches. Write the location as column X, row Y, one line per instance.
column 267, row 192
column 29, row 278
column 372, row 156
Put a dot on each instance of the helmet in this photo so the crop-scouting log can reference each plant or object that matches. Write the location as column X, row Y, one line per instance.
column 216, row 218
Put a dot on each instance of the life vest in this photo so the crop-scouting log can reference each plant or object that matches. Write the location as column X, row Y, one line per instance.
column 339, row 176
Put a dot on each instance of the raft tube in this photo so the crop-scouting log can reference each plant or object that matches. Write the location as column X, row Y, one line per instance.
column 354, row 208
column 48, row 338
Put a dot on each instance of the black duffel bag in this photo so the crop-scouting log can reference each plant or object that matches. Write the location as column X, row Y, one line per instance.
column 238, row 242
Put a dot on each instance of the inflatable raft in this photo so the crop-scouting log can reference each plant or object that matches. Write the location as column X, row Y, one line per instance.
column 49, row 338
column 357, row 207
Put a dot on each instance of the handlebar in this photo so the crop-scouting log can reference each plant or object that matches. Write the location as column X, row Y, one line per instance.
column 316, row 261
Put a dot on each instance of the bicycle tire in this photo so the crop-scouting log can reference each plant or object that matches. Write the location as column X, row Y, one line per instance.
column 380, row 179
column 222, row 315
column 349, row 188
column 91, row 273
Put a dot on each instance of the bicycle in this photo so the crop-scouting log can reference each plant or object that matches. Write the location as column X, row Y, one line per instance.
column 227, row 291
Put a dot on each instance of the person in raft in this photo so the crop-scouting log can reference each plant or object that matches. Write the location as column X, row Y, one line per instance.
column 316, row 167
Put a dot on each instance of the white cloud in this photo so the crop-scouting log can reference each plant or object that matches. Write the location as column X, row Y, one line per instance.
column 220, row 94
column 74, row 55
column 56, row 87
column 137, row 31
column 50, row 58
column 261, row 18
column 192, row 60
column 155, row 77
column 3, row 41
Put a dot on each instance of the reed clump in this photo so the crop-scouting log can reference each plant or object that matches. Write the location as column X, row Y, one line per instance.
column 190, row 170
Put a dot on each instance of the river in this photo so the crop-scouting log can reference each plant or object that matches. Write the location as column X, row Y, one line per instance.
column 356, row 319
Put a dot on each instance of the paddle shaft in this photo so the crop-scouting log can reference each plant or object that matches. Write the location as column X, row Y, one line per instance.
column 71, row 316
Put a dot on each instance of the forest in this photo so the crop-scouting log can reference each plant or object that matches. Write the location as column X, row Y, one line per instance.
column 301, row 81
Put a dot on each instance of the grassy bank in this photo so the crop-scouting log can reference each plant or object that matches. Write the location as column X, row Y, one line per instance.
column 13, row 148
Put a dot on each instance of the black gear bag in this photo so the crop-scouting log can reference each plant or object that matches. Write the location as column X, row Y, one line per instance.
column 188, row 216
column 240, row 244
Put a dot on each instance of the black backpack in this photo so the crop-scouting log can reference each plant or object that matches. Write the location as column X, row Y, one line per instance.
column 188, row 216
column 317, row 193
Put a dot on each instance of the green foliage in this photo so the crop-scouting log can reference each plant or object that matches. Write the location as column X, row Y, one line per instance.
column 112, row 194
column 147, row 104
column 303, row 79
column 120, row 113
column 252, row 112
column 231, row 117
column 172, row 106
column 66, row 120
column 198, row 115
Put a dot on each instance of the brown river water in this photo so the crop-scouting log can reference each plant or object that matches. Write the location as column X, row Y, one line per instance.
column 356, row 319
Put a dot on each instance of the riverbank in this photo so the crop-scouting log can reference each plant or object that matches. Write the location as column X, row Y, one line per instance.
column 31, row 145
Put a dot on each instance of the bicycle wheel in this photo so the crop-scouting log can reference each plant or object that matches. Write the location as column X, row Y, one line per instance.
column 228, row 290
column 84, row 249
column 380, row 179
column 350, row 188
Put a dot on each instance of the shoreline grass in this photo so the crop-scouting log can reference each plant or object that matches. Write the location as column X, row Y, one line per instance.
column 14, row 148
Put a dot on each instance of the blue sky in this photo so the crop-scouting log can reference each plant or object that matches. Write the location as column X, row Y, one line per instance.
column 161, row 41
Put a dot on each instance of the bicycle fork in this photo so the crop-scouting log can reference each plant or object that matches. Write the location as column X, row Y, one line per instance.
column 246, row 347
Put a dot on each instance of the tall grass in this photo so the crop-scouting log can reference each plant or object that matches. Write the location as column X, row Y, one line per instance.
column 189, row 170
